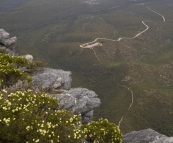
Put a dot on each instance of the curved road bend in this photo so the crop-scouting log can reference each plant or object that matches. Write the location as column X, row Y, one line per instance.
column 155, row 12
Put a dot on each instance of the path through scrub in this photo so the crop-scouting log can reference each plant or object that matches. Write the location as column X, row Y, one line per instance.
column 132, row 100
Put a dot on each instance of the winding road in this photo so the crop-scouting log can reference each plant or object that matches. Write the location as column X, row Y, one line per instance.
column 91, row 45
column 147, row 27
column 113, row 40
column 155, row 12
column 119, row 39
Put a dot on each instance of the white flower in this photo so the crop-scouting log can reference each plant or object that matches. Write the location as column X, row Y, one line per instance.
column 27, row 128
column 7, row 121
column 4, row 91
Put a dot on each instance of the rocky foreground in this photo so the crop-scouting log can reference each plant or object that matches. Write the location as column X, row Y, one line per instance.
column 57, row 83
column 146, row 136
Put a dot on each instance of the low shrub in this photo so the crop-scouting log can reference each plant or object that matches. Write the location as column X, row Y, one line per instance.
column 102, row 131
column 31, row 117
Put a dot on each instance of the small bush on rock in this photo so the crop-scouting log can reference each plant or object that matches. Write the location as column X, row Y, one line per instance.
column 9, row 72
column 34, row 65
column 102, row 131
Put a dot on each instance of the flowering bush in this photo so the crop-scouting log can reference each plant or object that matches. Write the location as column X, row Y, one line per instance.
column 30, row 117
column 102, row 132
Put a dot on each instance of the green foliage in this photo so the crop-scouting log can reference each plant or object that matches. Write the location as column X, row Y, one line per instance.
column 32, row 117
column 34, row 65
column 9, row 72
column 102, row 132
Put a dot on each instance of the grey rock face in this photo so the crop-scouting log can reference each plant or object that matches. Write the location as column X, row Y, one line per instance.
column 79, row 101
column 4, row 34
column 7, row 42
column 50, row 79
column 87, row 100
column 146, row 136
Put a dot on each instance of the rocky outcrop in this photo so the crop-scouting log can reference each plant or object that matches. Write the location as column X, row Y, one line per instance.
column 146, row 136
column 52, row 79
column 7, row 44
column 58, row 84
column 79, row 101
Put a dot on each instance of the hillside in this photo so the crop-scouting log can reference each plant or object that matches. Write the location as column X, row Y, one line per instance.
column 132, row 76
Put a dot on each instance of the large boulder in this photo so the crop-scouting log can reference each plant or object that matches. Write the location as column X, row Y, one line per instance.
column 52, row 79
column 79, row 101
column 87, row 100
column 7, row 43
column 146, row 136
column 4, row 34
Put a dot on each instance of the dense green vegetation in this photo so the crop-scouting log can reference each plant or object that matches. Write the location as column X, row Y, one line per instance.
column 55, row 38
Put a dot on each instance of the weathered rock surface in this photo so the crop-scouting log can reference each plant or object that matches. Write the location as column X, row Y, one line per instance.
column 164, row 140
column 52, row 79
column 4, row 34
column 7, row 43
column 79, row 101
column 146, row 136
